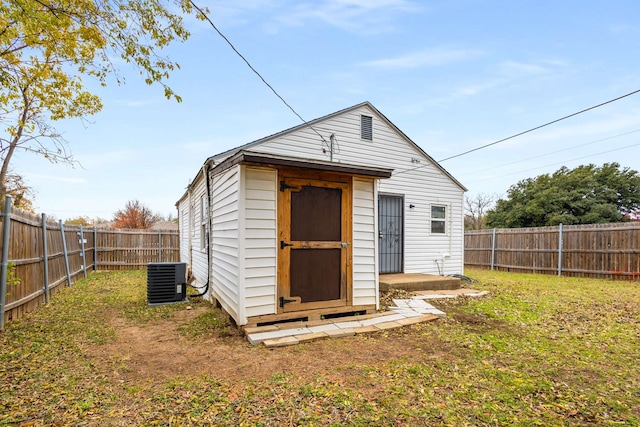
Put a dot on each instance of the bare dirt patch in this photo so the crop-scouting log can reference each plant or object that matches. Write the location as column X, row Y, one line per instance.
column 474, row 322
column 156, row 351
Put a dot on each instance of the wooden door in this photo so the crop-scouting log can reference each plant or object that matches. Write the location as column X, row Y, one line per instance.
column 314, row 246
column 390, row 233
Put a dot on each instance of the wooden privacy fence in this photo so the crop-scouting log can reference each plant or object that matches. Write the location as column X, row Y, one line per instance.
column 134, row 249
column 607, row 251
column 39, row 255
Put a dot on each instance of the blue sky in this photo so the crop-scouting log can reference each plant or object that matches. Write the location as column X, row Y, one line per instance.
column 453, row 75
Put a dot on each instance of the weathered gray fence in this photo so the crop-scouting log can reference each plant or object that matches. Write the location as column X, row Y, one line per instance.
column 134, row 249
column 608, row 251
column 39, row 255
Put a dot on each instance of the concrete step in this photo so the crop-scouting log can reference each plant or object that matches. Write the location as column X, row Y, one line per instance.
column 417, row 282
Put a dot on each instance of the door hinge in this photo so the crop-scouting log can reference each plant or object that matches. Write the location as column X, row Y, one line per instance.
column 284, row 244
column 284, row 301
column 285, row 186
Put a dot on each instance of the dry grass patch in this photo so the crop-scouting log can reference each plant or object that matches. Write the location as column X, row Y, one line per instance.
column 540, row 350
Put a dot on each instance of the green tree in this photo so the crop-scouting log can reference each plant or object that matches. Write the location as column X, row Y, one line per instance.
column 80, row 220
column 86, row 221
column 47, row 46
column 585, row 195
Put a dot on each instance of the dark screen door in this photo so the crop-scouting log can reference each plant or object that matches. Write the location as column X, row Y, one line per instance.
column 313, row 245
column 390, row 233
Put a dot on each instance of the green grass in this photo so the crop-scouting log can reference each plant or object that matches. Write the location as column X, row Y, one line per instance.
column 539, row 350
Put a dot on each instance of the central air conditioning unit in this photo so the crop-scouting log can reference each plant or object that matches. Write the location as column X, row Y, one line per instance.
column 166, row 282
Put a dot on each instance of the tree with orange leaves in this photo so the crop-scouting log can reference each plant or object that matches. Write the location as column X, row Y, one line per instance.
column 135, row 215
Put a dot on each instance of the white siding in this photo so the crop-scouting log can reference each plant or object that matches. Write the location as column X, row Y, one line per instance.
column 260, row 241
column 365, row 274
column 183, row 228
column 225, row 271
column 243, row 212
column 192, row 251
column 199, row 261
column 422, row 183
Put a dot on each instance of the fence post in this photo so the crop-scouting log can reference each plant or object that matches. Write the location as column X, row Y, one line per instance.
column 159, row 245
column 493, row 247
column 45, row 258
column 82, row 254
column 64, row 251
column 560, row 249
column 6, row 213
column 95, row 249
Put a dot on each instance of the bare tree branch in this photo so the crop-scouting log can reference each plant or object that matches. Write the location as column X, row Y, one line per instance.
column 476, row 210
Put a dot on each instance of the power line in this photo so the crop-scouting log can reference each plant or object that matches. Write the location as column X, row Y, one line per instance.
column 536, row 157
column 253, row 69
column 559, row 163
column 541, row 126
column 548, row 154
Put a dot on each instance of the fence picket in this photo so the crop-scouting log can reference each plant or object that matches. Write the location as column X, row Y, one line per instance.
column 607, row 251
column 44, row 254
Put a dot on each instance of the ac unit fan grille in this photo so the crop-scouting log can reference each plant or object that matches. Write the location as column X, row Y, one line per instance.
column 166, row 282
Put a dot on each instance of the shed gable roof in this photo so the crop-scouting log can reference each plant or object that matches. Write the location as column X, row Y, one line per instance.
column 221, row 156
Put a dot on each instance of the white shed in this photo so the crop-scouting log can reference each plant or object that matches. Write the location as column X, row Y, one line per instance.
column 301, row 223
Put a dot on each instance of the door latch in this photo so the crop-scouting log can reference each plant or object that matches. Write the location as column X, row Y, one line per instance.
column 284, row 301
column 345, row 244
column 284, row 186
column 284, row 244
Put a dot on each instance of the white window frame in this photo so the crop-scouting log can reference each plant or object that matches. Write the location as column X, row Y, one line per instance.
column 204, row 214
column 442, row 220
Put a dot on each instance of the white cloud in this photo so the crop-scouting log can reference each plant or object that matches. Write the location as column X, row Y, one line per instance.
column 56, row 178
column 369, row 5
column 453, row 95
column 586, row 129
column 623, row 29
column 511, row 67
column 358, row 16
column 475, row 89
column 228, row 13
column 429, row 58
column 516, row 70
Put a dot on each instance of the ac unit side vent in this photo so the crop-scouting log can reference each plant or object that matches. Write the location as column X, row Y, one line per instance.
column 166, row 282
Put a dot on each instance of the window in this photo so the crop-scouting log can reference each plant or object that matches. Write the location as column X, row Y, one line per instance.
column 204, row 214
column 438, row 218
column 366, row 127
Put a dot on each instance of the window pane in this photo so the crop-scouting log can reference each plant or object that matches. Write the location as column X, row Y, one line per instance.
column 437, row 227
column 438, row 212
column 203, row 209
column 316, row 214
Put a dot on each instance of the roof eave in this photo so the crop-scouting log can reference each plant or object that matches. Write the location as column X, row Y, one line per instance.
column 266, row 159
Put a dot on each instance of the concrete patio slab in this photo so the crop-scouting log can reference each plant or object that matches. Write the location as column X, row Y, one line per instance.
column 417, row 282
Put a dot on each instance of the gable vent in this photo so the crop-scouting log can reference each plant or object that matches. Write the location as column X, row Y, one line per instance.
column 366, row 127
